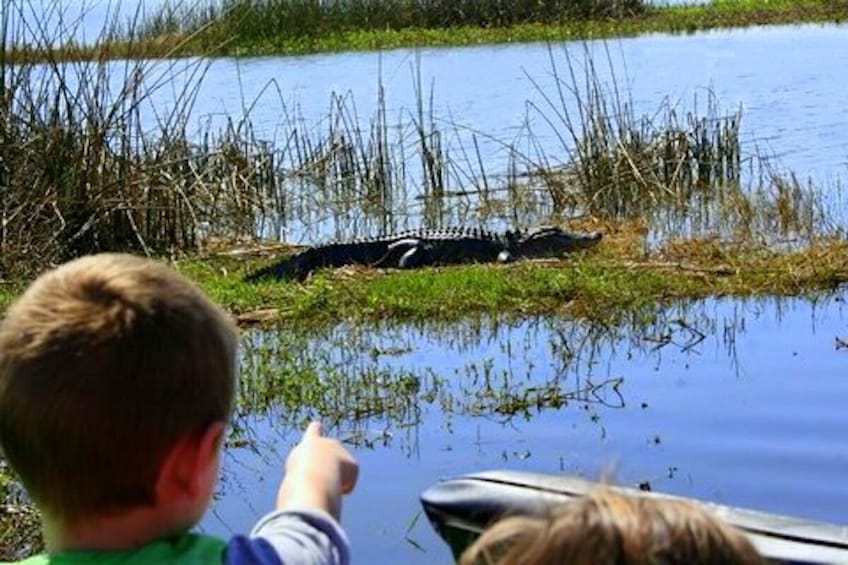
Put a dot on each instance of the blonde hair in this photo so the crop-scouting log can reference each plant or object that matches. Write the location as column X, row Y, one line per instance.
column 606, row 527
column 105, row 363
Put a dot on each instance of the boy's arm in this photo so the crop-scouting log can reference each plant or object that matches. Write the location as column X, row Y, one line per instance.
column 291, row 537
column 304, row 529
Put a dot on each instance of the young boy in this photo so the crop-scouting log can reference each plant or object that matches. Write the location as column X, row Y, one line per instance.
column 117, row 378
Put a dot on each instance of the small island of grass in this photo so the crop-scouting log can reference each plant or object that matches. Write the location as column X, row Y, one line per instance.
column 285, row 27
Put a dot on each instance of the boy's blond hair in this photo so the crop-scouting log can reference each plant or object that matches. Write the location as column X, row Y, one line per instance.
column 606, row 527
column 105, row 364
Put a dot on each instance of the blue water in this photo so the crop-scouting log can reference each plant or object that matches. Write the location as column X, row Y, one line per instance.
column 785, row 78
column 752, row 414
column 787, row 81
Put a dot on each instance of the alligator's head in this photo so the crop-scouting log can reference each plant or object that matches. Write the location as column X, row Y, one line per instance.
column 551, row 241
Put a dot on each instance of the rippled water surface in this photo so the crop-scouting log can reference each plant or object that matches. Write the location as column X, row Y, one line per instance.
column 736, row 402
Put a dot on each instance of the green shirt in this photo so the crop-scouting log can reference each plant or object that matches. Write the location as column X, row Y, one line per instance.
column 188, row 548
column 294, row 536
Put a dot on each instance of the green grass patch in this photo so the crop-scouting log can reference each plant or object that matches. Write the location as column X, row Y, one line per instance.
column 601, row 286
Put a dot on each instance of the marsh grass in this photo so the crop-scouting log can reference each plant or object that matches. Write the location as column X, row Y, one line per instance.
column 257, row 21
column 95, row 156
column 283, row 27
column 624, row 165
column 266, row 27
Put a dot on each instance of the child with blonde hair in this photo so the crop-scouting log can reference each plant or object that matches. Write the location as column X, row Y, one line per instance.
column 606, row 527
column 117, row 378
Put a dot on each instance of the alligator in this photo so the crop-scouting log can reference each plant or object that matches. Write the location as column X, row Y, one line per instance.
column 430, row 247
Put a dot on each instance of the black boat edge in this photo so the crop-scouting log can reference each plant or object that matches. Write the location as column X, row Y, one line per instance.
column 461, row 508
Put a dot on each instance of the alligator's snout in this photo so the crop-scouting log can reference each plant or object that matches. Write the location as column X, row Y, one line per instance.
column 555, row 242
column 594, row 237
column 582, row 241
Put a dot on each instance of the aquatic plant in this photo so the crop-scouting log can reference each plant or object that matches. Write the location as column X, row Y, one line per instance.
column 626, row 165
column 681, row 170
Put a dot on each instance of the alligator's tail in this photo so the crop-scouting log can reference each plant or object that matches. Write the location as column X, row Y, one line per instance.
column 285, row 269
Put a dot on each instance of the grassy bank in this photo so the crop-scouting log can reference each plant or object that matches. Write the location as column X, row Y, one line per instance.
column 619, row 278
column 281, row 27
column 616, row 280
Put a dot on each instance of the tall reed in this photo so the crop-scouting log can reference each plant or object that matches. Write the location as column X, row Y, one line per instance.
column 96, row 157
column 621, row 164
column 683, row 171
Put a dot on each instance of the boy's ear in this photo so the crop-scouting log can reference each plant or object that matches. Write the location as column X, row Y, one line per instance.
column 186, row 466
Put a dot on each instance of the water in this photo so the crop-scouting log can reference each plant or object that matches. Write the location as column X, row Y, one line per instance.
column 739, row 402
column 787, row 81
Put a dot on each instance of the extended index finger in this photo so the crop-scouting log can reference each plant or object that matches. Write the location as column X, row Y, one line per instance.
column 314, row 429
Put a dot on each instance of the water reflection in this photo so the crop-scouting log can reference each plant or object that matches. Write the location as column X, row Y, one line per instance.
column 735, row 401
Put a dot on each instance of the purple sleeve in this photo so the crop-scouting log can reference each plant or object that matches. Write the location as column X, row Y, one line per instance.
column 243, row 550
column 291, row 537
